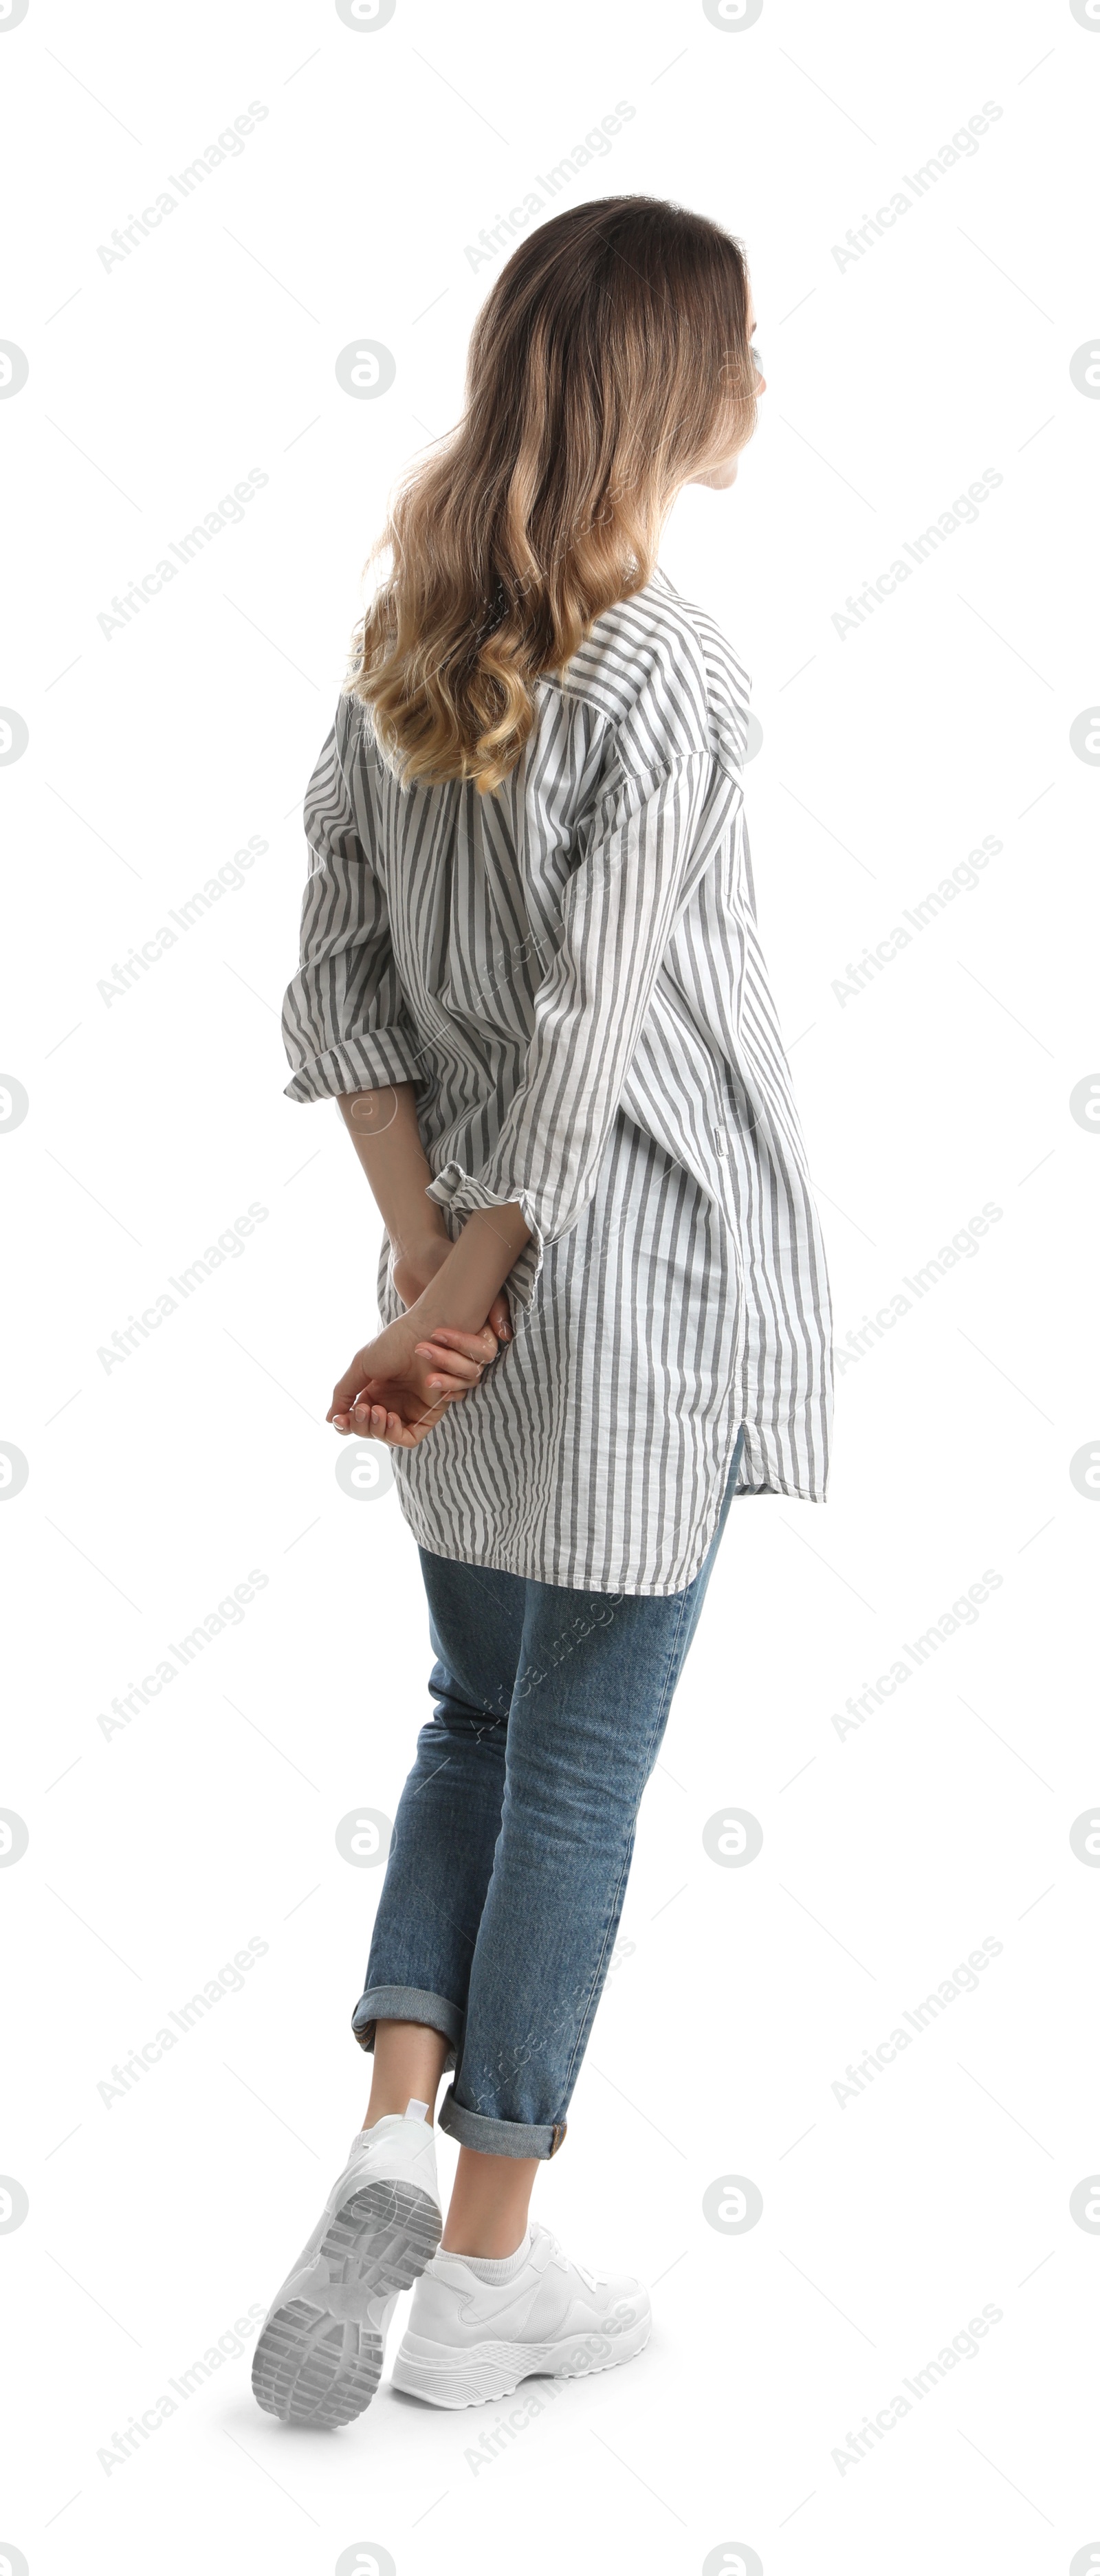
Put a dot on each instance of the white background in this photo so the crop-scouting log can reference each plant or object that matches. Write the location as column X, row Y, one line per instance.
column 739, row 1996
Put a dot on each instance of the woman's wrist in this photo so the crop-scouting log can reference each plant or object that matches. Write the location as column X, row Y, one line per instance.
column 445, row 1301
column 416, row 1241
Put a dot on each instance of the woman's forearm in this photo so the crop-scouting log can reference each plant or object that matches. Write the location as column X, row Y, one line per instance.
column 384, row 1129
column 477, row 1265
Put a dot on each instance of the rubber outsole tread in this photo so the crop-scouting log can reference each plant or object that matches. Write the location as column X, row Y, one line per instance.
column 315, row 2369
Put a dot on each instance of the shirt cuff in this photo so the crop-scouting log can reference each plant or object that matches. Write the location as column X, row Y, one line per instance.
column 362, row 1063
column 457, row 1190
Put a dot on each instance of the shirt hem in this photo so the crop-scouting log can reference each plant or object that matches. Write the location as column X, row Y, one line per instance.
column 527, row 1565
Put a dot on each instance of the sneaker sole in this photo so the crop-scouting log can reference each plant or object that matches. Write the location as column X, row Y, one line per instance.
column 320, row 2370
column 446, row 2377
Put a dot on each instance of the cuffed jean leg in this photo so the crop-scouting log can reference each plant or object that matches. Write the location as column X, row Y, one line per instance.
column 448, row 1815
column 596, row 1677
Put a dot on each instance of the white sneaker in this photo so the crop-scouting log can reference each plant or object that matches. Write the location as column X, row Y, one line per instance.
column 319, row 2357
column 470, row 2339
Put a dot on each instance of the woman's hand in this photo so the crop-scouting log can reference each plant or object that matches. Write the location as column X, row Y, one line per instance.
column 398, row 1386
column 411, row 1272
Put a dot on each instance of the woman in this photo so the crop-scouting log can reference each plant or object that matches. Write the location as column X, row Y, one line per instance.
column 530, row 975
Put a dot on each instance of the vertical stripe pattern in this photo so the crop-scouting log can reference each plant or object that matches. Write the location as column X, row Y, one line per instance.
column 570, row 972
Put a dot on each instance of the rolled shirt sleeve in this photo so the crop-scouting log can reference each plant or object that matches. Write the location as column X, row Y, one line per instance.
column 345, row 1022
column 641, row 858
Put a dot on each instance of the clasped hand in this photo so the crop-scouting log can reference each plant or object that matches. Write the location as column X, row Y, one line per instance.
column 401, row 1383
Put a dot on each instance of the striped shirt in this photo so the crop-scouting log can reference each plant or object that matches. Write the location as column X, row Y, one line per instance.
column 570, row 973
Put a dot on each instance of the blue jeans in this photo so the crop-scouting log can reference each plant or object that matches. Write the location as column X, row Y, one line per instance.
column 515, row 1831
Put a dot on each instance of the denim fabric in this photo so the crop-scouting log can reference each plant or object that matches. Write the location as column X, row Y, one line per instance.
column 515, row 1832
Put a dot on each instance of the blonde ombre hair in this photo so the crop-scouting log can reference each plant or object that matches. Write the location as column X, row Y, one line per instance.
column 608, row 365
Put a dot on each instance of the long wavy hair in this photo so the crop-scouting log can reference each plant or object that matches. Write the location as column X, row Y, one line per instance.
column 609, row 364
